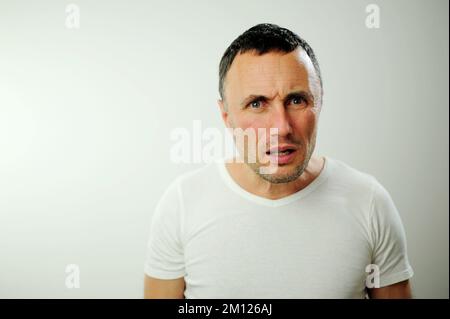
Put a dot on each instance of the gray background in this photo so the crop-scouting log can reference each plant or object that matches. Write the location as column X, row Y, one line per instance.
column 86, row 116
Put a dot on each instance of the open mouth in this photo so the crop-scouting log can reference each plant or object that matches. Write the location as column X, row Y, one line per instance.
column 280, row 152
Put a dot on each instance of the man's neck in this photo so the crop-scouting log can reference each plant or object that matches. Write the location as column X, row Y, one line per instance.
column 245, row 177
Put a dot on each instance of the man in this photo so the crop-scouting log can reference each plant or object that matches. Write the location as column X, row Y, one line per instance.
column 312, row 228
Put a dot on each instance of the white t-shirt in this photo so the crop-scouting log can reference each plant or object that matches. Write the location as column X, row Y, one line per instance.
column 316, row 243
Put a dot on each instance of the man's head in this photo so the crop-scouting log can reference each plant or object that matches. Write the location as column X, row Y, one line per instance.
column 270, row 78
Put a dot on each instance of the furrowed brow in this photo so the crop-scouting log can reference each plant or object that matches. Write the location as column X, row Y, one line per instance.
column 253, row 97
column 304, row 94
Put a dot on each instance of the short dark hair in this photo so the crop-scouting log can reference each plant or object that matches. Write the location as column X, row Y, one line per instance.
column 264, row 38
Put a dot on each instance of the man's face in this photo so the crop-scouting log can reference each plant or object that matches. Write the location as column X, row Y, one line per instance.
column 279, row 91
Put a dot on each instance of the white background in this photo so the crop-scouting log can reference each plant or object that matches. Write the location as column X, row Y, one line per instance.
column 86, row 116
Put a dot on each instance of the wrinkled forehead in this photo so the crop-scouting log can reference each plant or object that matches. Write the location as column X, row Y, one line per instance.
column 270, row 73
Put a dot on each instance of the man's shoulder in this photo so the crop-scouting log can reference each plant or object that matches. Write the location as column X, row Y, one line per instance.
column 350, row 177
column 357, row 186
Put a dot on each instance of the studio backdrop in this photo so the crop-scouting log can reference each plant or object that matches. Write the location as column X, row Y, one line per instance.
column 93, row 93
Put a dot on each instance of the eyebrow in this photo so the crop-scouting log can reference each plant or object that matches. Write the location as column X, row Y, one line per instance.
column 254, row 97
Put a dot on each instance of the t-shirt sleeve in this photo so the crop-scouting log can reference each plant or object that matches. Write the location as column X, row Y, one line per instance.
column 165, row 256
column 389, row 240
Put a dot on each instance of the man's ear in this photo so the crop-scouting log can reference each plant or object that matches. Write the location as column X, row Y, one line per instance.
column 223, row 112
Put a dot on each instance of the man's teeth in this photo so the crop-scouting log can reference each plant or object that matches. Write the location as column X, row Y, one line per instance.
column 281, row 152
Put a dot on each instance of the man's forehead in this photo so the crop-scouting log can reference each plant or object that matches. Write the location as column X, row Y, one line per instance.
column 252, row 73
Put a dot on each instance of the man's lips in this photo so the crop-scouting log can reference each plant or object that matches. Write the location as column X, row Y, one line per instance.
column 282, row 154
column 282, row 149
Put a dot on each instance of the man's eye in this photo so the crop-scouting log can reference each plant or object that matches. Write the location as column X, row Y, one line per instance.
column 297, row 100
column 255, row 104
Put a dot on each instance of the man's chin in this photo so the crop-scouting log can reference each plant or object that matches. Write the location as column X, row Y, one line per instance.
column 280, row 178
column 278, row 174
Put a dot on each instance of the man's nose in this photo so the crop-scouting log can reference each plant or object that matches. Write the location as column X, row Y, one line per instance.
column 280, row 120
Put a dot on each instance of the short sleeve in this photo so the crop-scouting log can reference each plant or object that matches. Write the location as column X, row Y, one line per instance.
column 389, row 239
column 165, row 256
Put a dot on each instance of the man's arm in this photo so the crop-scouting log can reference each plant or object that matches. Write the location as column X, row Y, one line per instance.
column 400, row 290
column 163, row 289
